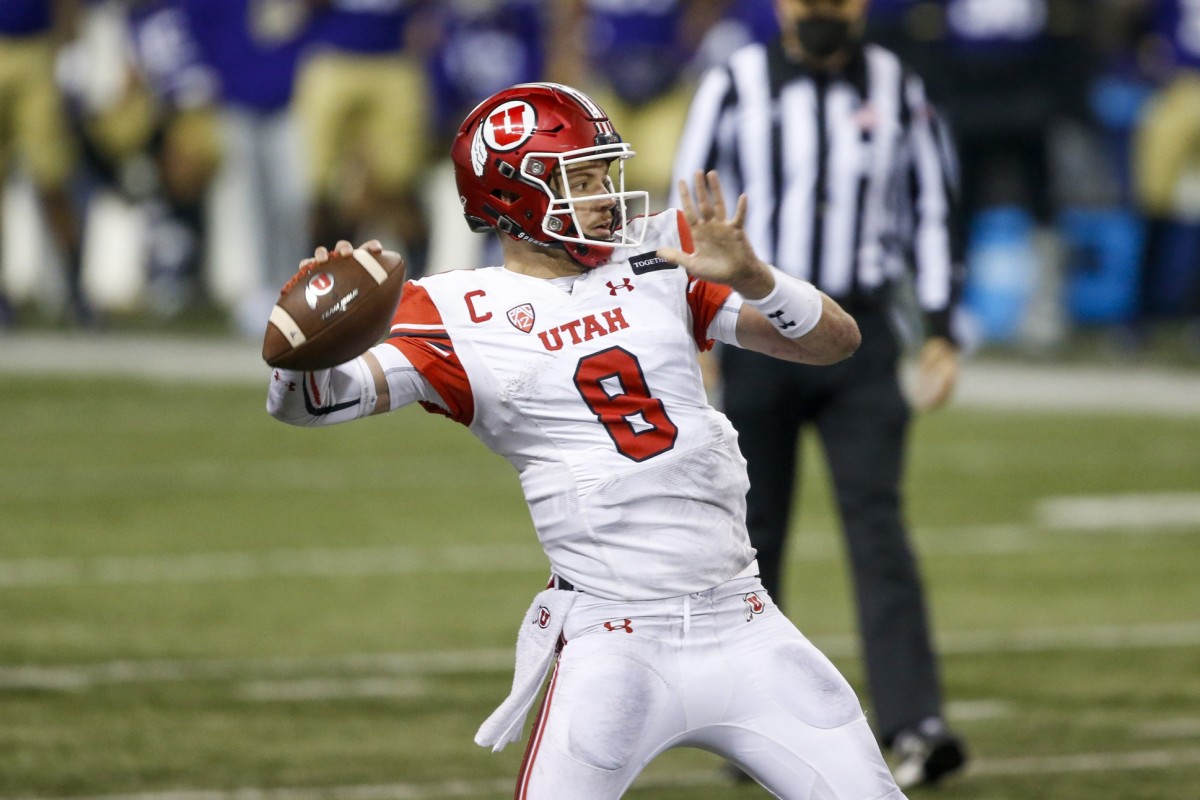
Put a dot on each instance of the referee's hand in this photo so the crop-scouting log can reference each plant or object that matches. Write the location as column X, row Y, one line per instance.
column 722, row 252
column 937, row 372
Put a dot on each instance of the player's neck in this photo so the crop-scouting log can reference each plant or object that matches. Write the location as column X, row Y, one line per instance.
column 537, row 261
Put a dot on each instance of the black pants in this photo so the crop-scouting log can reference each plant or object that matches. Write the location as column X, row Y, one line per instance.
column 858, row 410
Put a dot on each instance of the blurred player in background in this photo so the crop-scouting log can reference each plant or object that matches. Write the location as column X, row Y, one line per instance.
column 481, row 47
column 35, row 133
column 253, row 47
column 160, row 139
column 636, row 57
column 1011, row 76
column 577, row 361
column 850, row 187
column 361, row 99
column 1166, row 164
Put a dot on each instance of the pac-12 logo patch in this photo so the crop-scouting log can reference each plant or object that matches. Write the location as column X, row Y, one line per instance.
column 754, row 605
column 319, row 285
column 522, row 317
column 509, row 125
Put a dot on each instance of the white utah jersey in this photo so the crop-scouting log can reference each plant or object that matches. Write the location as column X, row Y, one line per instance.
column 634, row 482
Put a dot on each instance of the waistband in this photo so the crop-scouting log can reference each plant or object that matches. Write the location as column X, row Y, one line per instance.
column 559, row 582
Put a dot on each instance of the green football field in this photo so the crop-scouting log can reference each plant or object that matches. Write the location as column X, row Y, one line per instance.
column 198, row 603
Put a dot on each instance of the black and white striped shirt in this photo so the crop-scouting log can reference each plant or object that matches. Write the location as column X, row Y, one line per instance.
column 847, row 176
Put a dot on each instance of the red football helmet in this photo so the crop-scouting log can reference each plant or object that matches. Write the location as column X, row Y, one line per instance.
column 508, row 148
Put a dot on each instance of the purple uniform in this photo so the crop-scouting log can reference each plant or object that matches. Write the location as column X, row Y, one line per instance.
column 363, row 26
column 1178, row 22
column 25, row 17
column 254, row 58
column 482, row 51
column 887, row 12
column 758, row 17
column 168, row 58
column 637, row 45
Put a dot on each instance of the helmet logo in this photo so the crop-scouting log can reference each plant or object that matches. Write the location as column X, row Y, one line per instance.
column 509, row 126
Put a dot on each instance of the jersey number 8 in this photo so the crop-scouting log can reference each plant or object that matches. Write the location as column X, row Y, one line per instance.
column 613, row 386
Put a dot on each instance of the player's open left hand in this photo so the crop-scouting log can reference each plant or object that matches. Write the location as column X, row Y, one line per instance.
column 722, row 252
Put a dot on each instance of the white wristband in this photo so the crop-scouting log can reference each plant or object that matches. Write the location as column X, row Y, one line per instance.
column 793, row 306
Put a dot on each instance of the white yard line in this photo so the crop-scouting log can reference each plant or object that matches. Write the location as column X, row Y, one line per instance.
column 1120, row 389
column 241, row 565
column 1037, row 765
column 1086, row 762
column 1170, row 728
column 321, row 689
column 1140, row 512
column 168, row 358
column 79, row 677
column 974, row 710
column 392, row 791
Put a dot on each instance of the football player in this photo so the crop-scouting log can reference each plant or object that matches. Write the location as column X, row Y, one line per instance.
column 577, row 361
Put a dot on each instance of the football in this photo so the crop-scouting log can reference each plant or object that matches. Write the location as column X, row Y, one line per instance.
column 332, row 312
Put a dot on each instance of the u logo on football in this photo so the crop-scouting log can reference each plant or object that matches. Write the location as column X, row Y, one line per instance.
column 319, row 285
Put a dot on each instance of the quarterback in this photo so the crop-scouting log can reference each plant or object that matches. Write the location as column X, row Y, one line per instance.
column 577, row 361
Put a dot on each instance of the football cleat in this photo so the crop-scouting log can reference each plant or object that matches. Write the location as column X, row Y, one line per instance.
column 927, row 754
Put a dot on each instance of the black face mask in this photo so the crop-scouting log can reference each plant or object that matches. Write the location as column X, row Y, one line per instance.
column 822, row 37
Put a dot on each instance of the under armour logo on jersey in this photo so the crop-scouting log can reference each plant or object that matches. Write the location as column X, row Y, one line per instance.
column 543, row 617
column 619, row 625
column 291, row 384
column 624, row 284
column 754, row 605
column 780, row 322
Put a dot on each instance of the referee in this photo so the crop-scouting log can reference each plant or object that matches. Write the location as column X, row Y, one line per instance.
column 842, row 162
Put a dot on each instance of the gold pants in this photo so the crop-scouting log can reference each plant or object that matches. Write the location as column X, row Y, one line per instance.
column 1167, row 144
column 379, row 104
column 33, row 121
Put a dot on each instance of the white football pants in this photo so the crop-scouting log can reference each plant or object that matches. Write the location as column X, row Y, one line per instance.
column 721, row 670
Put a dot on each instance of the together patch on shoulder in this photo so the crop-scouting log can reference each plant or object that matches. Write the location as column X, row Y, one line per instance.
column 649, row 262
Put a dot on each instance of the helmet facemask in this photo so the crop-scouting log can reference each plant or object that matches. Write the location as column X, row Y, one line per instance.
column 562, row 222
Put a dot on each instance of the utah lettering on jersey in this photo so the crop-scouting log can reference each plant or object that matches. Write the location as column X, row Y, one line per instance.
column 584, row 329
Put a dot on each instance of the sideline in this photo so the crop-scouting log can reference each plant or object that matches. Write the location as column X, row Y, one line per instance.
column 1120, row 388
